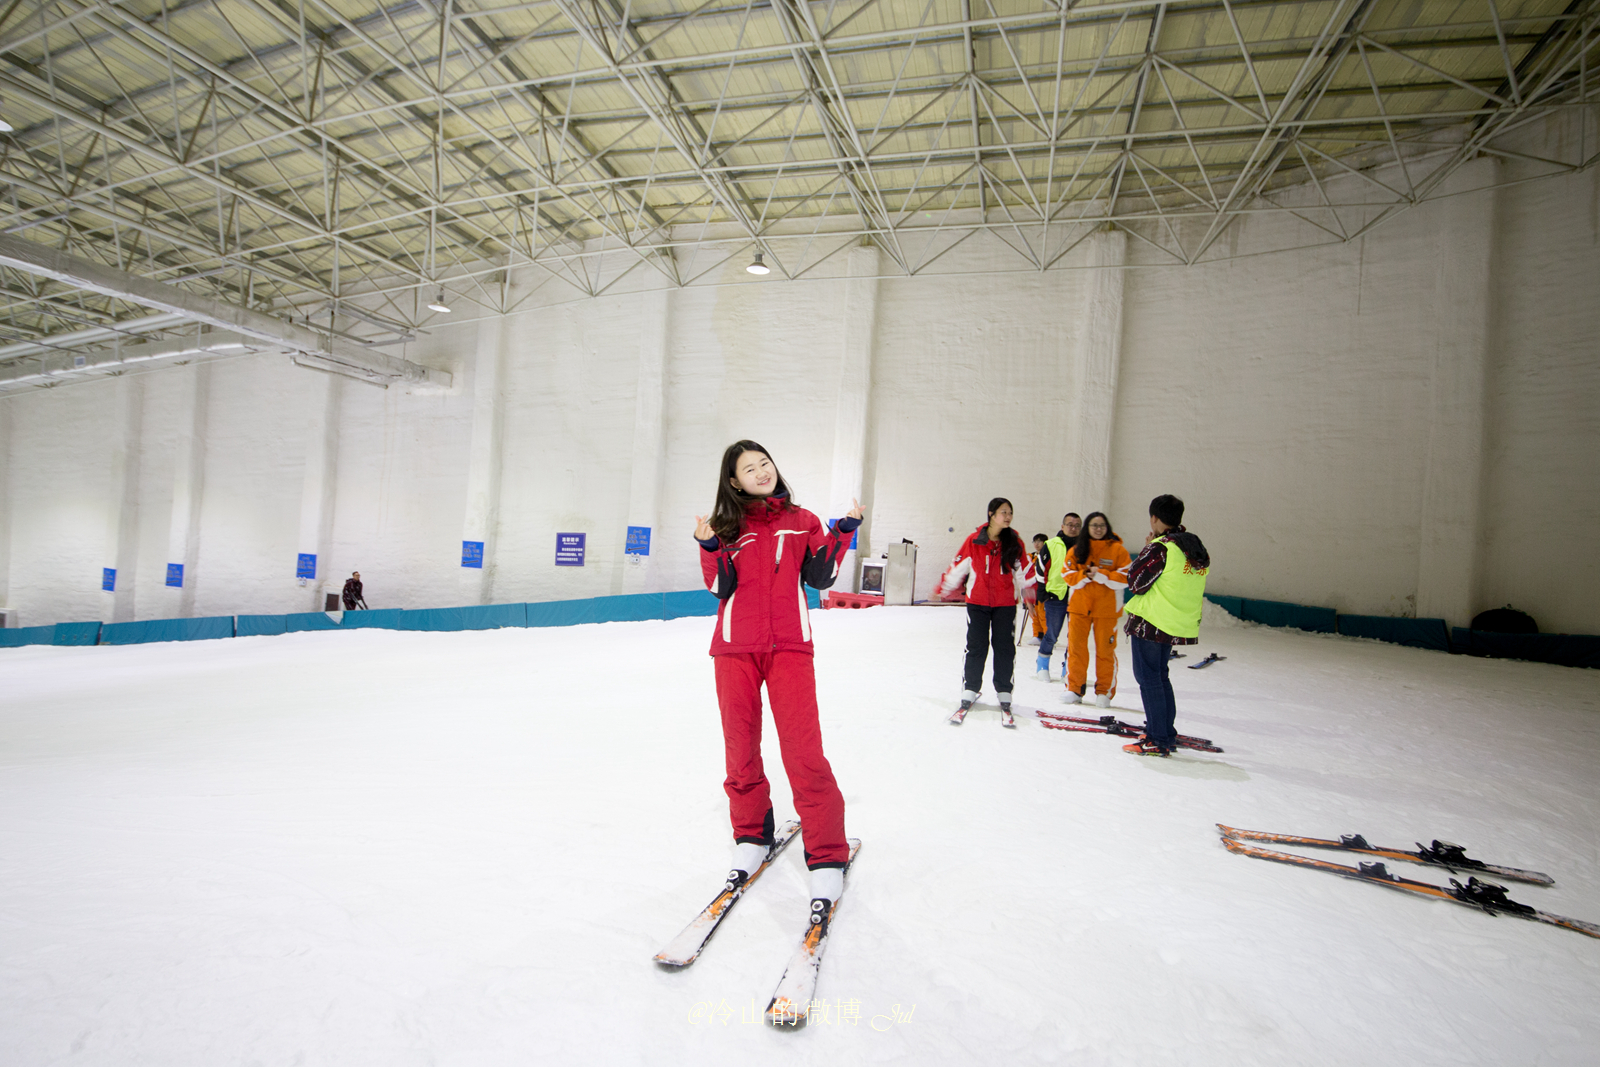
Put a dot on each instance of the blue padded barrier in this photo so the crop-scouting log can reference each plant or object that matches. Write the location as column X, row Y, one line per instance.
column 27, row 635
column 1566, row 650
column 1418, row 633
column 561, row 613
column 494, row 616
column 138, row 633
column 434, row 619
column 377, row 619
column 260, row 625
column 1278, row 613
column 309, row 620
column 698, row 602
column 76, row 633
column 477, row 617
column 1233, row 605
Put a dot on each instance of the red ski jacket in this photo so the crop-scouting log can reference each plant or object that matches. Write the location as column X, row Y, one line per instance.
column 758, row 577
column 979, row 563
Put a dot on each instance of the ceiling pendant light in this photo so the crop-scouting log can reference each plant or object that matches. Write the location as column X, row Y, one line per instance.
column 439, row 304
column 758, row 267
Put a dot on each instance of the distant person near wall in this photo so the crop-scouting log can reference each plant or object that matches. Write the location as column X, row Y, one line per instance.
column 1165, row 587
column 994, row 567
column 1096, row 572
column 756, row 550
column 352, row 592
column 1055, row 592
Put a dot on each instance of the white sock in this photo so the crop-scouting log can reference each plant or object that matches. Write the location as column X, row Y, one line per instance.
column 1004, row 698
column 747, row 856
column 968, row 694
column 827, row 883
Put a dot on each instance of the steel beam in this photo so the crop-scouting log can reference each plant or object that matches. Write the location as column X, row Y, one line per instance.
column 34, row 258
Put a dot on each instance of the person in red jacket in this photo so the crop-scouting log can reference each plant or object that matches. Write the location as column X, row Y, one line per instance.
column 756, row 550
column 994, row 567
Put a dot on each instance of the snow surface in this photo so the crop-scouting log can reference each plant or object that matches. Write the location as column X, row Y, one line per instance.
column 399, row 848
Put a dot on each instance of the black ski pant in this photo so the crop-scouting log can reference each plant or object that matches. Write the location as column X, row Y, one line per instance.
column 990, row 626
column 1150, row 670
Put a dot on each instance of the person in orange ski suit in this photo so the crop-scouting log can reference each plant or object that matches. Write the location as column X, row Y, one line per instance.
column 1096, row 570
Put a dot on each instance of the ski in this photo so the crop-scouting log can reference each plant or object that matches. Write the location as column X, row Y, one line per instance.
column 687, row 946
column 1486, row 896
column 1110, row 724
column 1439, row 854
column 1122, row 729
column 792, row 999
column 1007, row 719
column 1208, row 661
column 960, row 714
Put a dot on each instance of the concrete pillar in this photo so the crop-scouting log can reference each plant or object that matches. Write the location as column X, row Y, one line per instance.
column 482, row 516
column 5, row 509
column 122, row 498
column 1448, row 548
column 1092, row 406
column 849, row 480
column 637, row 573
column 188, row 476
column 318, row 482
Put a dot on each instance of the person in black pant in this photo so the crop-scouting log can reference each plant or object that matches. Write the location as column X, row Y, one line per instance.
column 352, row 592
column 993, row 566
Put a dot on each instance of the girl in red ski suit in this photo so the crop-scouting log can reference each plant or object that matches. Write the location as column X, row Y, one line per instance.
column 756, row 551
column 993, row 567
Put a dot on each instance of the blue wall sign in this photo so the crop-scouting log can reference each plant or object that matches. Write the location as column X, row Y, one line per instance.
column 569, row 549
column 108, row 579
column 472, row 554
column 638, row 541
column 306, row 565
column 175, row 575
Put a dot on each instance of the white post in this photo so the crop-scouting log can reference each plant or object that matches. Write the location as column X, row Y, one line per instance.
column 122, row 513
column 5, row 511
column 188, row 475
column 1091, row 411
column 1448, row 557
column 649, row 442
column 483, row 458
column 317, row 483
column 855, row 399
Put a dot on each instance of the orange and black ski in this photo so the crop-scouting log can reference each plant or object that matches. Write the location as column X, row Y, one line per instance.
column 1439, row 854
column 1485, row 896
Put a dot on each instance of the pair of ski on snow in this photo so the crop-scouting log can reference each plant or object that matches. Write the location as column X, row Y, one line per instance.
column 792, row 999
column 1105, row 724
column 1485, row 896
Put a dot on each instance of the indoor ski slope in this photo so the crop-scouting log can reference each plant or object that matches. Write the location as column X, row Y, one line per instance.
column 394, row 849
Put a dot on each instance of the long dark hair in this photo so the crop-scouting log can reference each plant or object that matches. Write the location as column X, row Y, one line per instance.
column 727, row 517
column 1010, row 544
column 1080, row 547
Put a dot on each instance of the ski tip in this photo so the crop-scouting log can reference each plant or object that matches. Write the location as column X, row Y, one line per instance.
column 671, row 964
column 786, row 1014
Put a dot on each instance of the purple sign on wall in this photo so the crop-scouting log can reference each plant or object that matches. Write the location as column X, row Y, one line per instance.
column 569, row 549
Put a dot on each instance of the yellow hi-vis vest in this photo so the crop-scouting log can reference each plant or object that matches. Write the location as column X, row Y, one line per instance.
column 1056, row 582
column 1172, row 605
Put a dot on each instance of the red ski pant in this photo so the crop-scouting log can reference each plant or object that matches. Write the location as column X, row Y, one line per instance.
column 792, row 691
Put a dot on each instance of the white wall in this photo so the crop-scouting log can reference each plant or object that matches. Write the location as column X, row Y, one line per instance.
column 1405, row 422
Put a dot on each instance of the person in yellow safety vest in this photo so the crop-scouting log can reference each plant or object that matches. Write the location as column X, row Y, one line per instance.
column 1165, row 586
column 1056, row 592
